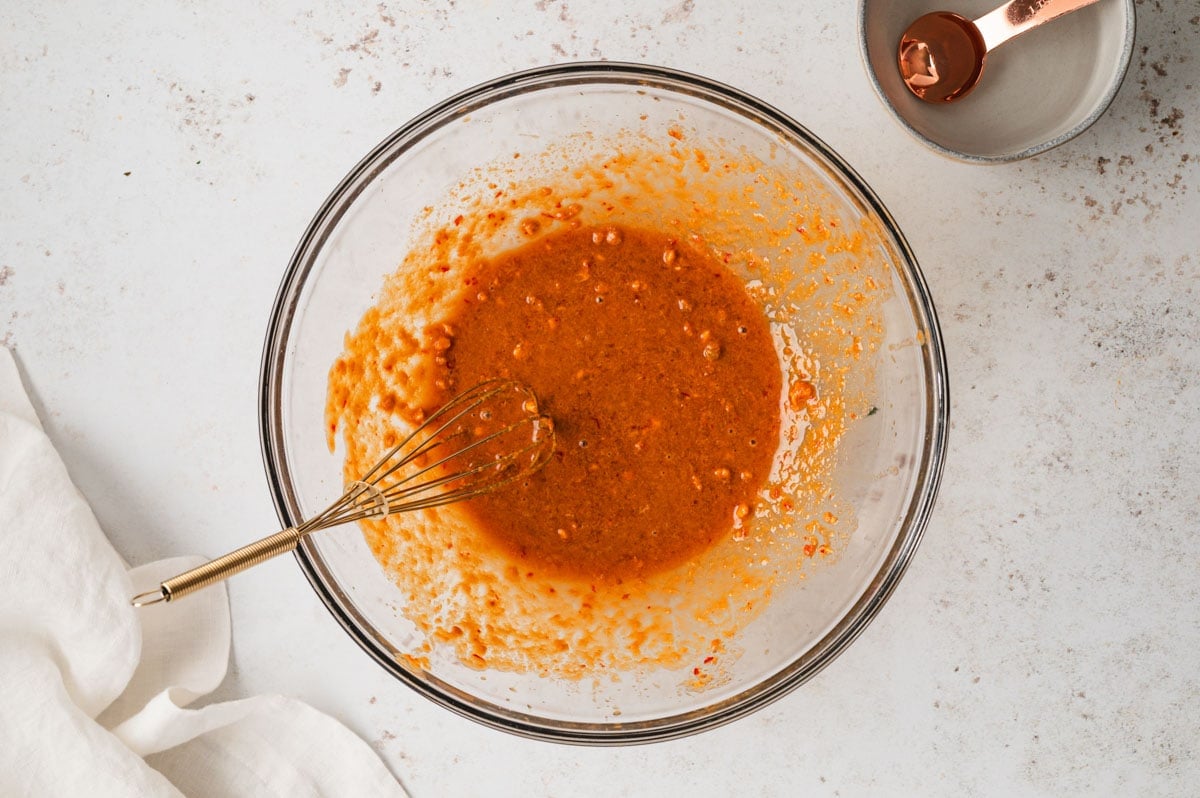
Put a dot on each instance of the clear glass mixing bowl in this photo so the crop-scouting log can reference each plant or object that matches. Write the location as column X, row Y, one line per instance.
column 890, row 467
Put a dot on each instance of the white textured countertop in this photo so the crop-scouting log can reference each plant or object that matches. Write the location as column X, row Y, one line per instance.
column 159, row 161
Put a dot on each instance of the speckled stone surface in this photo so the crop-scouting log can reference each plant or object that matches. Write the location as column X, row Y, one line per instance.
column 160, row 161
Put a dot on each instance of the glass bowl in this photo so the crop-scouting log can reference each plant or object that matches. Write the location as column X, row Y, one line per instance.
column 888, row 467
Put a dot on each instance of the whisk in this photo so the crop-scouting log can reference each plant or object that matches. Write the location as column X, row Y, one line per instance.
column 478, row 441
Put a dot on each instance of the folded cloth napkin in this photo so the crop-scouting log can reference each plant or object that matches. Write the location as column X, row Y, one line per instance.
column 96, row 692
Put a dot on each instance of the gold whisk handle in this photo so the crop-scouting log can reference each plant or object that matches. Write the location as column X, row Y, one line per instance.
column 221, row 568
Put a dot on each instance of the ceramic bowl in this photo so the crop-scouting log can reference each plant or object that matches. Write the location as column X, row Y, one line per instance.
column 1037, row 91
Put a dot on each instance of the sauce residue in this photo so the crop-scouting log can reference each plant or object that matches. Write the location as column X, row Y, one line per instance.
column 493, row 583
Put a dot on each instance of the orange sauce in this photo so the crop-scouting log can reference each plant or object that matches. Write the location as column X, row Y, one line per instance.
column 492, row 584
column 661, row 378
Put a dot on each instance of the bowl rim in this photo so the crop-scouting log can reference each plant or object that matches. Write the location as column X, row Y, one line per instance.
column 755, row 696
column 1098, row 110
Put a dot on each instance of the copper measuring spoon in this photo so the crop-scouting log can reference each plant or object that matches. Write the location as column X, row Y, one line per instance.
column 942, row 54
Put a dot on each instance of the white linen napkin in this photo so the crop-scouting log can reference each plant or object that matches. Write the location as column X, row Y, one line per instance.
column 95, row 693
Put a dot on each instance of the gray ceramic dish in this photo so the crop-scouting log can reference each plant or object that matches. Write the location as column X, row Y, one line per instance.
column 1037, row 92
